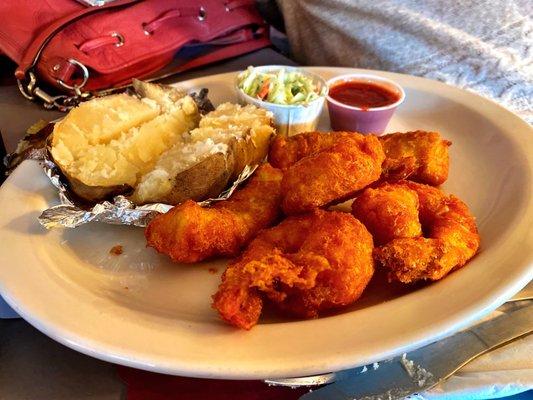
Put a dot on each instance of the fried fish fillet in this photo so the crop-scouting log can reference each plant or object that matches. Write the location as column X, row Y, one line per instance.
column 451, row 238
column 190, row 233
column 306, row 264
column 333, row 173
column 419, row 156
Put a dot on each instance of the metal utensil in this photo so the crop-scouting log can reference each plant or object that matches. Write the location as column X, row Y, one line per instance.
column 424, row 368
column 323, row 379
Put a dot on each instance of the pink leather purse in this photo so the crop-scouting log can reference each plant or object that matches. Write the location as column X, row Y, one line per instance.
column 85, row 51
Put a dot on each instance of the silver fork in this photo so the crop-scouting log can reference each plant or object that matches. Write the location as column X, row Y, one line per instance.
column 330, row 377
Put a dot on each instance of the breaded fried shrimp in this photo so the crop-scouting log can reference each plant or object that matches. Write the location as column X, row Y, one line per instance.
column 388, row 212
column 190, row 233
column 306, row 264
column 451, row 239
column 332, row 174
column 286, row 151
column 419, row 156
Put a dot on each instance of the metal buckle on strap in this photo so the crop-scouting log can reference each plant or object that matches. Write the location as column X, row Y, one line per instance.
column 27, row 90
column 31, row 91
column 76, row 87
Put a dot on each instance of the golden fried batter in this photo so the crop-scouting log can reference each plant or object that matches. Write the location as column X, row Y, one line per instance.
column 332, row 174
column 452, row 239
column 388, row 212
column 306, row 264
column 284, row 151
column 418, row 156
column 190, row 233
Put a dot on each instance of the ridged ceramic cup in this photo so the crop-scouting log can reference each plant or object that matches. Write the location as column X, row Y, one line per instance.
column 290, row 119
column 344, row 117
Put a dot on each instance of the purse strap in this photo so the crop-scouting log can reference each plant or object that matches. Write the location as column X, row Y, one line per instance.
column 26, row 79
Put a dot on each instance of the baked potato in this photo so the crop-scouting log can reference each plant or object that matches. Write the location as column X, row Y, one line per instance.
column 156, row 147
column 206, row 179
column 226, row 140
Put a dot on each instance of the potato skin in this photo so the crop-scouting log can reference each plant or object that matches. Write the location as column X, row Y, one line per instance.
column 242, row 151
column 211, row 176
column 202, row 181
column 249, row 150
column 247, row 145
column 95, row 194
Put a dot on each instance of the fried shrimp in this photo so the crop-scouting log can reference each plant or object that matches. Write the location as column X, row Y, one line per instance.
column 284, row 151
column 388, row 212
column 451, row 239
column 190, row 233
column 332, row 174
column 418, row 156
column 306, row 264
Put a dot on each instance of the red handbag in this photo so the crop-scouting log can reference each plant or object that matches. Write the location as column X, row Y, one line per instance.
column 86, row 51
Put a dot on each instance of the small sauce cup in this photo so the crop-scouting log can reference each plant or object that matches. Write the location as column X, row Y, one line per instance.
column 290, row 119
column 345, row 117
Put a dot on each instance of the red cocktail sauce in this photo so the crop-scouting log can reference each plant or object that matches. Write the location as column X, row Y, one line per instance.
column 364, row 95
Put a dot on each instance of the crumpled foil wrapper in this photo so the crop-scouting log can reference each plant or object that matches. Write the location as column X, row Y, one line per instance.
column 121, row 211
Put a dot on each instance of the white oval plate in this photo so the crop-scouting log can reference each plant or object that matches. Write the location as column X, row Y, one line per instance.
column 140, row 310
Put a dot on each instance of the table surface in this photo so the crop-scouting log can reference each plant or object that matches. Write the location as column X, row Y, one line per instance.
column 51, row 370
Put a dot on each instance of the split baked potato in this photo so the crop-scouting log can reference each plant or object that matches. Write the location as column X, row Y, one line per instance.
column 157, row 147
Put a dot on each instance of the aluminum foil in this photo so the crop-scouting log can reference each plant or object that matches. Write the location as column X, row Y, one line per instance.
column 120, row 211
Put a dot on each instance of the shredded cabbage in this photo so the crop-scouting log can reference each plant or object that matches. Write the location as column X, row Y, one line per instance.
column 279, row 87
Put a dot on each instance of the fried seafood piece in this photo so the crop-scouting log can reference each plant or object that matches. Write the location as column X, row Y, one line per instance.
column 306, row 264
column 389, row 212
column 332, row 174
column 190, row 233
column 419, row 156
column 286, row 151
column 451, row 239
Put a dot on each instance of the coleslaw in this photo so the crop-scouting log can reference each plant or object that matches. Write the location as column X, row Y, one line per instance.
column 279, row 87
